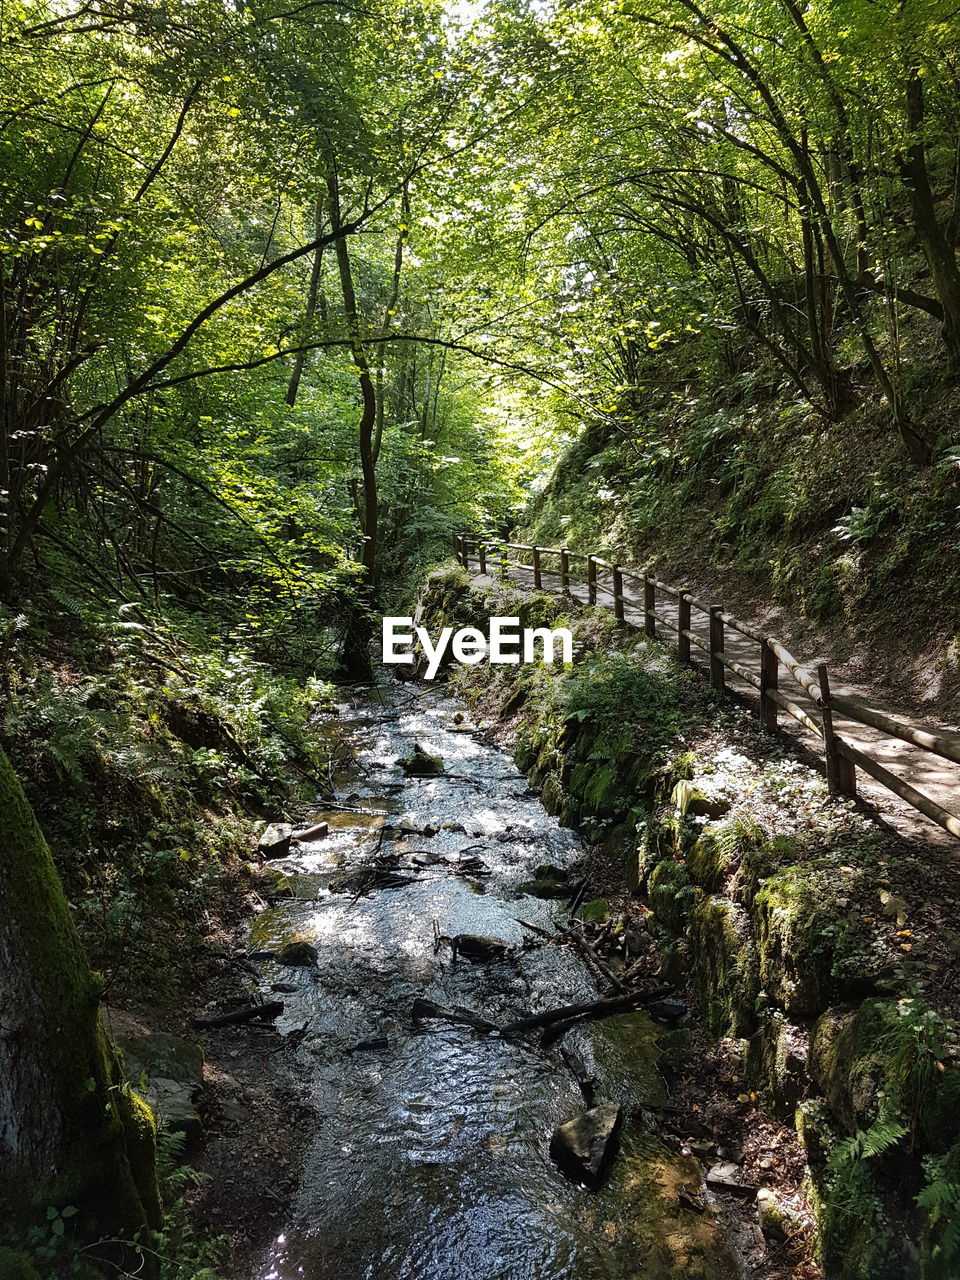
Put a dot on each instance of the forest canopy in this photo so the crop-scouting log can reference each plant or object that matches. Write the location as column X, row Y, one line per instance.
column 292, row 292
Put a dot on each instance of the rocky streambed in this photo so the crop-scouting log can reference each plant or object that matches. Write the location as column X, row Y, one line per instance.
column 459, row 1127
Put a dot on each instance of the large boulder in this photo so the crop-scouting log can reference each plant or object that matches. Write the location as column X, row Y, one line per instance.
column 584, row 1147
column 173, row 1071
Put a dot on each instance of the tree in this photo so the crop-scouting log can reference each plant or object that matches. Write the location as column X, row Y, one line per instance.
column 73, row 1136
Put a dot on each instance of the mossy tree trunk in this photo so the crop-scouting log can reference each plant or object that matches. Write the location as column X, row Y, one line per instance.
column 70, row 1132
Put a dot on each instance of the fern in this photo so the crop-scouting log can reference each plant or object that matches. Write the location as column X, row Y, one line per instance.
column 940, row 1198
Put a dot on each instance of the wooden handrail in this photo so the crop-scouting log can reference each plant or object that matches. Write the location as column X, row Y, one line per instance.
column 773, row 655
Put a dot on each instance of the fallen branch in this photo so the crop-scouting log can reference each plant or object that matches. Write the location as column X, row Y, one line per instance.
column 593, row 960
column 535, row 928
column 269, row 1010
column 464, row 1017
column 590, row 1011
column 586, row 1082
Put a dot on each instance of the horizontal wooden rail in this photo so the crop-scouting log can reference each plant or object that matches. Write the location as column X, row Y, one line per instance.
column 942, row 744
column 667, row 622
column 903, row 789
column 740, row 670
column 842, row 757
column 794, row 709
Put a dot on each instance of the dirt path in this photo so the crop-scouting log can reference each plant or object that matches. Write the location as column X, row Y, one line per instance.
column 937, row 778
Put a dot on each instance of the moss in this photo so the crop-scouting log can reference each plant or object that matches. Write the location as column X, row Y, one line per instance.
column 602, row 795
column 420, row 764
column 724, row 965
column 86, row 1146
column 551, row 796
column 658, row 840
column 708, row 860
column 889, row 1050
column 845, row 1064
column 776, row 1063
column 140, row 1127
column 795, row 946
column 671, row 893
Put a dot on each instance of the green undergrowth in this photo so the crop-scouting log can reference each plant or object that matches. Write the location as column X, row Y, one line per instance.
column 805, row 932
column 148, row 747
column 733, row 485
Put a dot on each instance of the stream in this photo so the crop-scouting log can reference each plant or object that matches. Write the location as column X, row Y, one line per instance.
column 430, row 1156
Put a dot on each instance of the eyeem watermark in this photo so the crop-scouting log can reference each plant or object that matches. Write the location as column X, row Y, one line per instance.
column 504, row 643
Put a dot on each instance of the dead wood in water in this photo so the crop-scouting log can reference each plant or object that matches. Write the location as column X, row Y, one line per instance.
column 587, row 1083
column 590, row 1011
column 558, row 1021
column 465, row 1017
column 271, row 1009
column 599, row 967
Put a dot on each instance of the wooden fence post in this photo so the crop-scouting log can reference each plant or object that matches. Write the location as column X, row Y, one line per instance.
column 618, row 592
column 769, row 677
column 591, row 580
column 683, row 623
column 841, row 773
column 458, row 547
column 503, row 561
column 482, row 555
column 649, row 604
column 717, row 677
column 537, row 575
column 565, row 571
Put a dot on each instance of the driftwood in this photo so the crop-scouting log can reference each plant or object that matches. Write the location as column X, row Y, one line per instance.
column 270, row 1009
column 590, row 1011
column 535, row 928
column 593, row 960
column 586, row 1082
column 465, row 1017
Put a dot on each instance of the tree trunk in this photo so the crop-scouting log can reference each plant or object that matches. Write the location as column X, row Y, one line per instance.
column 71, row 1132
column 356, row 649
column 937, row 249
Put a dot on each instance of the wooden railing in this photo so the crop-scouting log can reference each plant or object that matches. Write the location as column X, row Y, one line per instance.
column 842, row 758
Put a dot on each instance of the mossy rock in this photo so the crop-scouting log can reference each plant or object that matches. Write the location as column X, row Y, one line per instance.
column 658, row 840
column 551, row 795
column 856, row 1239
column 709, row 859
column 603, row 793
column 548, row 889
column 275, row 884
column 796, row 942
column 671, row 895
column 297, row 955
column 815, row 950
column 776, row 1064
column 695, row 802
column 754, row 862
column 420, row 764
column 857, row 1057
column 724, row 964
column 777, row 1219
column 845, row 1065
column 675, row 960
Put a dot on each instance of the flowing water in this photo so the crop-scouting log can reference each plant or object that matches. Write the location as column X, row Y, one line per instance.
column 429, row 1156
